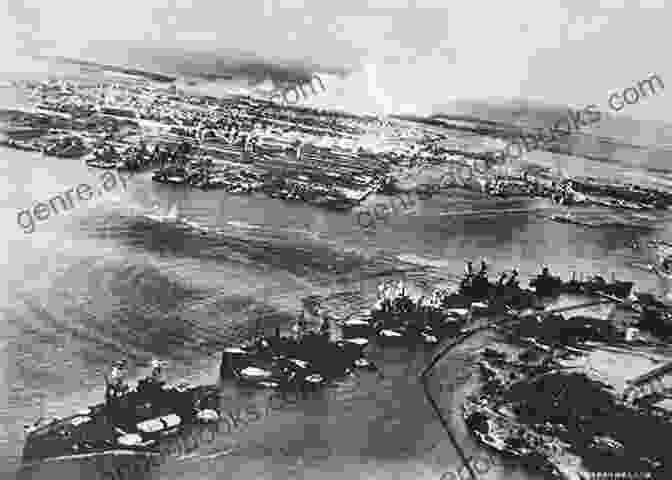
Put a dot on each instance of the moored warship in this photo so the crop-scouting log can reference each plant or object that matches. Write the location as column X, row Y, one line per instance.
column 131, row 419
column 308, row 359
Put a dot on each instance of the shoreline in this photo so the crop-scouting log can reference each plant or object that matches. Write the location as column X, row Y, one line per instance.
column 459, row 385
column 542, row 443
column 468, row 383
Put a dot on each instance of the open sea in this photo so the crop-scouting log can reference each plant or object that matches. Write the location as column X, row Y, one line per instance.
column 112, row 279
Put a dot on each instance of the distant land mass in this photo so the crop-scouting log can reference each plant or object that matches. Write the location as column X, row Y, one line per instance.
column 156, row 77
column 208, row 65
column 615, row 138
column 246, row 70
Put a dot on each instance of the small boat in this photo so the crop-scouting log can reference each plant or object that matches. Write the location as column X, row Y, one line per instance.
column 214, row 182
column 171, row 175
column 26, row 145
column 173, row 214
column 392, row 336
column 569, row 219
column 357, row 327
column 69, row 147
column 410, row 335
column 104, row 164
column 175, row 180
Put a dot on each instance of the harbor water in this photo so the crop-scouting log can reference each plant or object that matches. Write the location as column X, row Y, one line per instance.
column 117, row 276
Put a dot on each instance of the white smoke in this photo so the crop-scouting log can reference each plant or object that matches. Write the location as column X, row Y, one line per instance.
column 362, row 92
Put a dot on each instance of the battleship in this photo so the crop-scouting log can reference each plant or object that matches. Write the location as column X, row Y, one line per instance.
column 547, row 285
column 309, row 360
column 326, row 159
column 399, row 319
column 136, row 421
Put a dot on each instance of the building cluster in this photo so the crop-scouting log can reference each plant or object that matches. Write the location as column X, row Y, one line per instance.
column 238, row 143
column 243, row 144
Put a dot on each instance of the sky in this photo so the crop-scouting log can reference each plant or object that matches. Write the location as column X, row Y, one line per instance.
column 405, row 56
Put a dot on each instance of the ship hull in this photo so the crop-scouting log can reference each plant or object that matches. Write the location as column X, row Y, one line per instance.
column 138, row 427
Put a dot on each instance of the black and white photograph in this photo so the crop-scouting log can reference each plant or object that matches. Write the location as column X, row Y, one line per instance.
column 310, row 240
